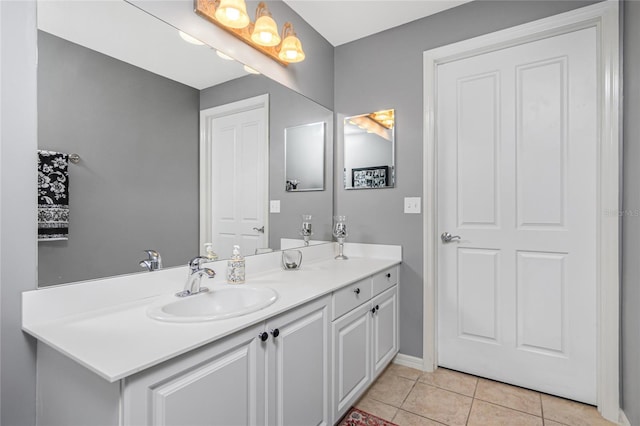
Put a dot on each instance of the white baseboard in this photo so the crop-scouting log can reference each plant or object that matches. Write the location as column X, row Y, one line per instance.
column 624, row 421
column 408, row 361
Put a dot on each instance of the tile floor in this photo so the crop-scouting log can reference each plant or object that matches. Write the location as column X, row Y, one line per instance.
column 409, row 397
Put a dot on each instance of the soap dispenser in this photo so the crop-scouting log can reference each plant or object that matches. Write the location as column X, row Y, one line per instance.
column 211, row 255
column 235, row 267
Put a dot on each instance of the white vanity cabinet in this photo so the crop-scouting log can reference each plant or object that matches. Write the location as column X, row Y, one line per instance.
column 258, row 376
column 298, row 362
column 365, row 336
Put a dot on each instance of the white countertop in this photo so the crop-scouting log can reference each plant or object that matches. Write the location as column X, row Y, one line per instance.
column 103, row 324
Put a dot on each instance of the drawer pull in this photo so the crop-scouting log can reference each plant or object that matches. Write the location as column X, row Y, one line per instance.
column 356, row 291
column 263, row 336
column 275, row 332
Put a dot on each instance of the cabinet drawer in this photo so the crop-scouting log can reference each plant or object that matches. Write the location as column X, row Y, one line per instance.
column 384, row 280
column 350, row 297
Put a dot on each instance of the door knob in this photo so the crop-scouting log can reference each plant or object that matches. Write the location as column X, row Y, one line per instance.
column 447, row 237
column 261, row 229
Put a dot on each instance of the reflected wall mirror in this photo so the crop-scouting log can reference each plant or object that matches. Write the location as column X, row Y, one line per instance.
column 369, row 150
column 124, row 91
column 304, row 157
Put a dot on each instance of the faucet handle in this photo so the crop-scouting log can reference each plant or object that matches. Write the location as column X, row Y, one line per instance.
column 194, row 264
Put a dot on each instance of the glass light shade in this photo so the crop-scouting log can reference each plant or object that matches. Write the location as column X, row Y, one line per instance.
column 291, row 50
column 232, row 13
column 265, row 32
column 223, row 56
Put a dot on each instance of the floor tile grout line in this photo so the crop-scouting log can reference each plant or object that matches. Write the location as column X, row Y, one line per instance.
column 510, row 408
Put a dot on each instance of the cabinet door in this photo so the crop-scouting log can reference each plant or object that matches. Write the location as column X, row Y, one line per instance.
column 385, row 329
column 220, row 384
column 298, row 366
column 351, row 357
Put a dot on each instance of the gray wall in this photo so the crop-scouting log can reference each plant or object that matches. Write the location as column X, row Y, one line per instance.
column 630, row 373
column 18, row 255
column 287, row 108
column 136, row 186
column 396, row 54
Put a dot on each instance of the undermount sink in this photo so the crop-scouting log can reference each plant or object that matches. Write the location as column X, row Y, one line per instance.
column 213, row 305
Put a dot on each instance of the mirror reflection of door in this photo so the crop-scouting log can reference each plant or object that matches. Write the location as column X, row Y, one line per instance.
column 234, row 176
column 304, row 157
column 369, row 150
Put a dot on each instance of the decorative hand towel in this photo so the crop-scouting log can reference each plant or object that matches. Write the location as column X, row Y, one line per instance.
column 53, row 196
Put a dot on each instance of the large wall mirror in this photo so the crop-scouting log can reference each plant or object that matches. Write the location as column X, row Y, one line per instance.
column 125, row 91
column 369, row 147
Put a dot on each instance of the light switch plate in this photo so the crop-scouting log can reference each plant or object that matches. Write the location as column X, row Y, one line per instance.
column 274, row 206
column 412, row 205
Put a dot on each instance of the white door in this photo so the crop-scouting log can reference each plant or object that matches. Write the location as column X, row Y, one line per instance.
column 517, row 133
column 239, row 181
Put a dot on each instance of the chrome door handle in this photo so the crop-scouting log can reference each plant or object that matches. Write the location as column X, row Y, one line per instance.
column 261, row 229
column 447, row 237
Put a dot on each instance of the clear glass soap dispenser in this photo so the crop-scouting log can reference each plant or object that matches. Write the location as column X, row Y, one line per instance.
column 235, row 267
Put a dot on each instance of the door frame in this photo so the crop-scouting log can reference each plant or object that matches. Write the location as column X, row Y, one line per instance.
column 604, row 17
column 206, row 116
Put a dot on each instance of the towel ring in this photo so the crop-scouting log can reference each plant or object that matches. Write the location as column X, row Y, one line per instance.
column 74, row 158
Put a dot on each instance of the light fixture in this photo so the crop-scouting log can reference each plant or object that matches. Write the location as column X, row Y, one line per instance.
column 190, row 39
column 223, row 56
column 231, row 16
column 291, row 48
column 250, row 70
column 265, row 30
column 232, row 13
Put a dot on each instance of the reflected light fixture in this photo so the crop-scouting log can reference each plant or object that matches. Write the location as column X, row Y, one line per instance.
column 224, row 56
column 231, row 16
column 250, row 70
column 190, row 39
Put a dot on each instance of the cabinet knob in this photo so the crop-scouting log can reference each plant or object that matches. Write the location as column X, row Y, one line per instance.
column 263, row 336
column 388, row 275
column 373, row 311
column 377, row 307
column 275, row 332
column 356, row 291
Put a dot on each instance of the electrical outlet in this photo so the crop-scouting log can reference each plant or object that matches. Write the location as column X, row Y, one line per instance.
column 412, row 205
column 274, row 206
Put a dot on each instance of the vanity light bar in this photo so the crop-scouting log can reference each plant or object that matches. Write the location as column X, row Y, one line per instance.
column 288, row 48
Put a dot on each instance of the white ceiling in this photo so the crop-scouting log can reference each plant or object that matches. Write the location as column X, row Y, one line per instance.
column 121, row 30
column 343, row 21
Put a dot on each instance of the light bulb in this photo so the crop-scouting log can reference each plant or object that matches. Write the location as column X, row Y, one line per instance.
column 266, row 37
column 291, row 54
column 232, row 14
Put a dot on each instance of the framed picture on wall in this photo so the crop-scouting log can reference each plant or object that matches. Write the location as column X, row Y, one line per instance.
column 370, row 177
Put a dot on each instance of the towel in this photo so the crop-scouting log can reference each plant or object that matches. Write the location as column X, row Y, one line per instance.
column 53, row 196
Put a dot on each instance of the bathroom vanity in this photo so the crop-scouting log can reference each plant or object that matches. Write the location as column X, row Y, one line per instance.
column 304, row 359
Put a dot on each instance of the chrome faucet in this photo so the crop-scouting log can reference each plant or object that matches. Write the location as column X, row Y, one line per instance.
column 196, row 273
column 154, row 262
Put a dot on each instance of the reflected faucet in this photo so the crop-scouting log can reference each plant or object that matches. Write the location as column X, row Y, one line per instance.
column 196, row 273
column 154, row 262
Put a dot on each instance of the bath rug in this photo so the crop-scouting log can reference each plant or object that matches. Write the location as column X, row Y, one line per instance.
column 357, row 417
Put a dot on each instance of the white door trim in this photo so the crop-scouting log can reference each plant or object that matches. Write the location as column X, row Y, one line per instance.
column 604, row 17
column 206, row 115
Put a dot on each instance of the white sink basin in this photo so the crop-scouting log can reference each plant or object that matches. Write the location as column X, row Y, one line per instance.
column 213, row 305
